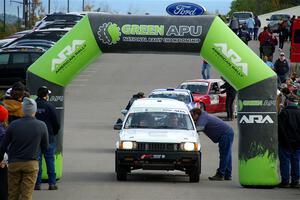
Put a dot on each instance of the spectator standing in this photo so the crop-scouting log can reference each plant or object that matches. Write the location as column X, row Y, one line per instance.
column 281, row 67
column 3, row 163
column 269, row 62
column 205, row 71
column 289, row 144
column 256, row 26
column 46, row 112
column 221, row 133
column 283, row 34
column 250, row 25
column 230, row 96
column 291, row 27
column 262, row 38
column 234, row 25
column 24, row 137
column 13, row 102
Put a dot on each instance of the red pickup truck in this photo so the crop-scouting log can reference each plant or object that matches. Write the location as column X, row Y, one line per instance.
column 295, row 43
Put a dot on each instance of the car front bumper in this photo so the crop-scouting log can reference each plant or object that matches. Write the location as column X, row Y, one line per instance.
column 158, row 160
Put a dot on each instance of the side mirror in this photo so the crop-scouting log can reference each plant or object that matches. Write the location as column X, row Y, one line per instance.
column 124, row 111
column 267, row 19
column 117, row 126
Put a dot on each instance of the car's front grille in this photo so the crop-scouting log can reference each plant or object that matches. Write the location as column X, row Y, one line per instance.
column 158, row 146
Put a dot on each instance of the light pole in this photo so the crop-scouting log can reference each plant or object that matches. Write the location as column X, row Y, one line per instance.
column 4, row 13
column 68, row 7
column 82, row 5
column 48, row 6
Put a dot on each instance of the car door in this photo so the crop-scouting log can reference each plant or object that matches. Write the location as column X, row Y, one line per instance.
column 222, row 99
column 214, row 92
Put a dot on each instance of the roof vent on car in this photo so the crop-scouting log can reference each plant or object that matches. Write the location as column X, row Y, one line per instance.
column 170, row 89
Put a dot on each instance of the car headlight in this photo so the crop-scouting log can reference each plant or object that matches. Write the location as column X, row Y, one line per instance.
column 189, row 146
column 127, row 145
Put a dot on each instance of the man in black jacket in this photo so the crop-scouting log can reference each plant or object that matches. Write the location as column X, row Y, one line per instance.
column 46, row 112
column 282, row 68
column 24, row 137
column 230, row 96
column 289, row 143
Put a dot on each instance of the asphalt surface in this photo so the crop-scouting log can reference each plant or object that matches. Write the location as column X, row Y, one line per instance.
column 93, row 103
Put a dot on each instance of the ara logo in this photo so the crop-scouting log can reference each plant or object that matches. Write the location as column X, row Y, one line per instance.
column 233, row 56
column 65, row 53
column 256, row 119
column 109, row 33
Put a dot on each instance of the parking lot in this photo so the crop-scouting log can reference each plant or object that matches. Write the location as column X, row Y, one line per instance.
column 93, row 103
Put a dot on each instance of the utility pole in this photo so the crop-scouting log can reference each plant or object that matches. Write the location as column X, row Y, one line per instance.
column 18, row 8
column 4, row 19
column 48, row 6
column 25, row 12
column 68, row 7
column 82, row 5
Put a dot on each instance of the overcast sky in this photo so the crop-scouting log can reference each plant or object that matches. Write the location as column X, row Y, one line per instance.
column 155, row 7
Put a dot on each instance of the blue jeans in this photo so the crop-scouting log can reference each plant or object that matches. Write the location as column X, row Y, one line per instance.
column 205, row 71
column 289, row 165
column 225, row 147
column 251, row 31
column 50, row 162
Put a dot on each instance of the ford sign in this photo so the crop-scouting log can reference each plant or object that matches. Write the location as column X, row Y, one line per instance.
column 185, row 9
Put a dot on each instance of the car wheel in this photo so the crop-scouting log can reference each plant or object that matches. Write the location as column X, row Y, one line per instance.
column 202, row 106
column 194, row 172
column 121, row 173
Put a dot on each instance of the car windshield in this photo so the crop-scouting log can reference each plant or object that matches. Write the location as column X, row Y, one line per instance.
column 63, row 17
column 279, row 17
column 172, row 95
column 242, row 15
column 46, row 35
column 159, row 120
column 200, row 88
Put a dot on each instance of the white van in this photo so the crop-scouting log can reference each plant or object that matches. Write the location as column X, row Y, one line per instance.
column 158, row 134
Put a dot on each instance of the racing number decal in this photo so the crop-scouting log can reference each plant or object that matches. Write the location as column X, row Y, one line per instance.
column 214, row 99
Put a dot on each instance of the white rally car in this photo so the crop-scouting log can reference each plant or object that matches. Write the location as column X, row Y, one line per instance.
column 158, row 134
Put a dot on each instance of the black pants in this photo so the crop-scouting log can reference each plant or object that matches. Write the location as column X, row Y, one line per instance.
column 229, row 105
column 3, row 184
column 281, row 42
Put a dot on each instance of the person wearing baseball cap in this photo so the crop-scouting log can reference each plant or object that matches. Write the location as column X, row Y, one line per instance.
column 281, row 67
column 46, row 112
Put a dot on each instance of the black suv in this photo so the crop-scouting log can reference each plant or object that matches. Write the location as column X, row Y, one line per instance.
column 15, row 61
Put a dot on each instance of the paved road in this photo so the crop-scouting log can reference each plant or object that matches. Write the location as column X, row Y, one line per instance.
column 93, row 103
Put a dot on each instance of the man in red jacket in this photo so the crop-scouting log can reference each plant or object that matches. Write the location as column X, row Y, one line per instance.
column 262, row 37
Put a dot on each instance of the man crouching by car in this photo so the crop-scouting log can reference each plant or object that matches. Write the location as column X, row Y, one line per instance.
column 219, row 132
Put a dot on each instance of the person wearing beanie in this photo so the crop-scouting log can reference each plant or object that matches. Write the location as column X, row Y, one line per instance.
column 46, row 112
column 289, row 143
column 3, row 164
column 24, row 137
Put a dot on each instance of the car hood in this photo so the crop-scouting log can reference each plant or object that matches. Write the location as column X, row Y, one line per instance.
column 159, row 135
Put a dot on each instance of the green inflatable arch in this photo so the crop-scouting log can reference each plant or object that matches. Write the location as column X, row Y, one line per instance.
column 206, row 35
